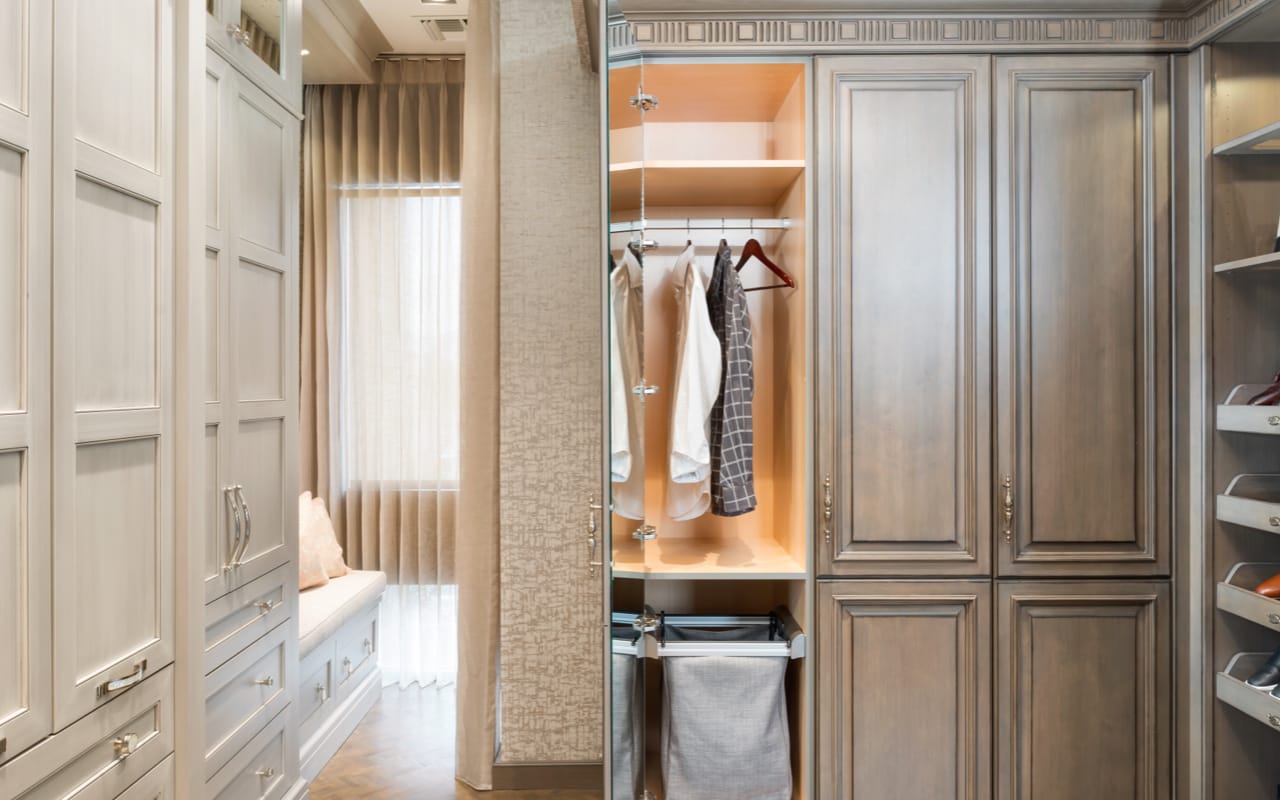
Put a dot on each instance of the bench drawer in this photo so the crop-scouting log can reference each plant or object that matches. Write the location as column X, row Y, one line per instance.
column 316, row 689
column 261, row 770
column 243, row 694
column 102, row 754
column 357, row 650
column 236, row 620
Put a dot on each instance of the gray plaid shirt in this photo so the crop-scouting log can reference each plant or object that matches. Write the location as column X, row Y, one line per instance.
column 733, row 490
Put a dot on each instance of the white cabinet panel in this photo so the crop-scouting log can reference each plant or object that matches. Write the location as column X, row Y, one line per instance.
column 13, row 278
column 260, row 467
column 213, row 147
column 259, row 312
column 115, row 289
column 244, row 694
column 212, row 324
column 13, row 54
column 216, row 545
column 260, row 198
column 117, row 81
column 13, row 585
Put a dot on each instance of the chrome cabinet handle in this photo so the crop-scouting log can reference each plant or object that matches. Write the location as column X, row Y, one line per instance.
column 346, row 666
column 1007, row 508
column 233, row 513
column 248, row 525
column 321, row 692
column 828, row 508
column 135, row 677
column 125, row 746
column 593, row 527
column 270, row 680
column 1273, row 421
column 368, row 647
column 266, row 607
column 266, row 772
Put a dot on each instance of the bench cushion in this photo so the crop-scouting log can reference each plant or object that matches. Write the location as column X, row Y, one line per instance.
column 323, row 610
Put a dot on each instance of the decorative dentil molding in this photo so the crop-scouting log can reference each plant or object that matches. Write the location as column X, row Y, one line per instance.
column 814, row 33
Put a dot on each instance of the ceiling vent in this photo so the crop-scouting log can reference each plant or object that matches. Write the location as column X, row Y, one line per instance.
column 445, row 29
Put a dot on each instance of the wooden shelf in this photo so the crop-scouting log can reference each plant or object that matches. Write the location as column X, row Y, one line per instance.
column 707, row 559
column 1232, row 690
column 1264, row 141
column 702, row 183
column 1252, row 501
column 1264, row 262
column 1236, row 594
column 1236, row 415
column 712, row 92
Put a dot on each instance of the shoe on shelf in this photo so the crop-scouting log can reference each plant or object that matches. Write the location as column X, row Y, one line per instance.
column 1268, row 677
column 1270, row 587
column 1269, row 396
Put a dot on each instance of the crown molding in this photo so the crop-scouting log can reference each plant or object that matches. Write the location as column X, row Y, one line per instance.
column 847, row 33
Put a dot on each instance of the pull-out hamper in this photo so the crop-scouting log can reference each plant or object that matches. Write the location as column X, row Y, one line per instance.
column 628, row 716
column 725, row 734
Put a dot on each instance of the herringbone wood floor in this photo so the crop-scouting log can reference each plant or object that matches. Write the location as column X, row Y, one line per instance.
column 403, row 750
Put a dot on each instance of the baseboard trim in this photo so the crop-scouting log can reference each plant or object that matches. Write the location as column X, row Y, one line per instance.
column 548, row 776
column 344, row 719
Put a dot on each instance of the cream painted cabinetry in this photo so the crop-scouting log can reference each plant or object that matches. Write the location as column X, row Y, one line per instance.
column 263, row 38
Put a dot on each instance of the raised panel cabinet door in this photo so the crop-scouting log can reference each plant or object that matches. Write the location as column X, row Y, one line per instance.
column 1082, row 690
column 904, row 690
column 904, row 315
column 113, row 370
column 1082, row 296
column 263, row 39
column 26, row 62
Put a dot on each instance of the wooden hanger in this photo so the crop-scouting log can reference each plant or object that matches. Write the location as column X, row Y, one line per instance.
column 753, row 249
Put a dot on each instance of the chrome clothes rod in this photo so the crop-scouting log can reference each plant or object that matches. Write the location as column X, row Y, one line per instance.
column 703, row 224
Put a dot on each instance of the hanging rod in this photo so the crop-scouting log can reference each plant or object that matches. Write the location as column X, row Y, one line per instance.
column 705, row 224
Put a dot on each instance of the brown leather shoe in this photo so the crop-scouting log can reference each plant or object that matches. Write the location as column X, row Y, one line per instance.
column 1269, row 396
column 1270, row 587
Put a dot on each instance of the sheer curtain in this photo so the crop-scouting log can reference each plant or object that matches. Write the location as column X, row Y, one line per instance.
column 381, row 339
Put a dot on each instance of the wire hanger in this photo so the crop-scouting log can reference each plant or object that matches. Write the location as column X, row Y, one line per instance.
column 753, row 249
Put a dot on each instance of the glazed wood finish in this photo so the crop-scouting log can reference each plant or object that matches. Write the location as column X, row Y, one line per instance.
column 26, row 697
column 113, row 411
column 904, row 670
column 904, row 315
column 1083, row 691
column 1082, row 288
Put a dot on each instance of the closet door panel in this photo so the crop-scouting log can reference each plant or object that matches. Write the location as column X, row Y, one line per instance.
column 261, row 131
column 905, row 315
column 113, row 387
column 1083, row 292
column 26, row 700
column 260, row 466
column 1082, row 704
column 258, row 300
column 905, row 686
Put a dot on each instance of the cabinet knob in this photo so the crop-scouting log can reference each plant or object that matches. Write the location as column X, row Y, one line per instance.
column 267, row 607
column 270, row 680
column 266, row 772
column 125, row 745
column 1274, row 720
column 322, row 692
column 1274, row 619
column 1273, row 421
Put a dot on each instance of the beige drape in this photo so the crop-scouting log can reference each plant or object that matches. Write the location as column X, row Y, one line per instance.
column 477, row 552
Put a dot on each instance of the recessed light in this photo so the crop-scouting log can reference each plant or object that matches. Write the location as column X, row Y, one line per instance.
column 306, row 52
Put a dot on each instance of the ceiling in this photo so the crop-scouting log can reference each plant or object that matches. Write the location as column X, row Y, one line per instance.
column 401, row 22
column 913, row 6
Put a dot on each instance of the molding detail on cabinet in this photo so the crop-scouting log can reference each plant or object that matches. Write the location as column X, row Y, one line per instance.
column 868, row 32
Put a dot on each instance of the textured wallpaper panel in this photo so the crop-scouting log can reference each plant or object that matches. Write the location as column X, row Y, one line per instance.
column 550, row 647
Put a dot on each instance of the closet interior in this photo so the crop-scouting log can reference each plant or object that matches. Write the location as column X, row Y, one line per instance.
column 1242, row 196
column 699, row 154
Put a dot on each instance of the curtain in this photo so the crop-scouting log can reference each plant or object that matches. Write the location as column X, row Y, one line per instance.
column 381, row 340
column 477, row 547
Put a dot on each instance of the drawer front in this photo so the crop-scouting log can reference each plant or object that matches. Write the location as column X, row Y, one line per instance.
column 155, row 785
column 357, row 650
column 315, row 689
column 243, row 695
column 101, row 755
column 236, row 620
column 259, row 771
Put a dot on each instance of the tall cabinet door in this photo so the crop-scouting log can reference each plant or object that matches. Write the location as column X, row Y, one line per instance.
column 1083, row 692
column 904, row 316
column 113, row 387
column 262, row 332
column 1082, row 287
column 904, row 674
column 26, row 60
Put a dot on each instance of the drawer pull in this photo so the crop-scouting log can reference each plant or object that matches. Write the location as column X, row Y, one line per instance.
column 368, row 647
column 346, row 665
column 266, row 772
column 1275, row 721
column 135, row 677
column 1273, row 421
column 125, row 746
column 270, row 680
column 1274, row 619
column 267, row 607
column 1275, row 522
column 322, row 693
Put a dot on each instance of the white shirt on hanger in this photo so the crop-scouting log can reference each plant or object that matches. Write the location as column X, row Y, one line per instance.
column 626, row 409
column 697, row 384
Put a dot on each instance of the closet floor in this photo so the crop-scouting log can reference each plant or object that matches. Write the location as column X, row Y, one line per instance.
column 404, row 750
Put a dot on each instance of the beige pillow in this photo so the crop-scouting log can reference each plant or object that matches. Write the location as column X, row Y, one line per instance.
column 330, row 550
column 311, row 571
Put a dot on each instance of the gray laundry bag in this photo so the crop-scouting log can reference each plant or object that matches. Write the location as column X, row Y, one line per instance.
column 628, row 732
column 724, row 725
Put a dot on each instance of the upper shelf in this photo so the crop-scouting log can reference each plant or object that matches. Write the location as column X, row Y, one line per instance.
column 712, row 92
column 1268, row 261
column 702, row 183
column 1264, row 141
column 684, row 558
